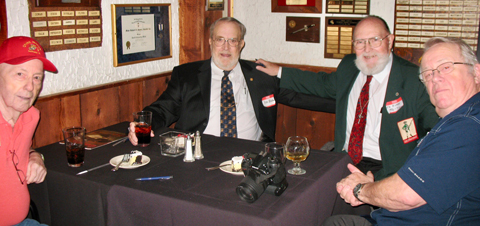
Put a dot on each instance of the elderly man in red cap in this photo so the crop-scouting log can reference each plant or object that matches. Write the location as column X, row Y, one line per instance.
column 22, row 65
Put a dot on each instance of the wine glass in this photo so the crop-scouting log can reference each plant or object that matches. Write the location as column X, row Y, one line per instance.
column 297, row 150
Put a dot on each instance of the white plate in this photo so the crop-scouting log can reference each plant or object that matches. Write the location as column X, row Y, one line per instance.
column 115, row 160
column 228, row 169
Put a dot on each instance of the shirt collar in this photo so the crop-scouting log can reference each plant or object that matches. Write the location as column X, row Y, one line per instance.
column 216, row 71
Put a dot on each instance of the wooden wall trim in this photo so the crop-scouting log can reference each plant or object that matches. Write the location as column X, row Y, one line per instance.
column 95, row 107
column 3, row 21
column 102, row 86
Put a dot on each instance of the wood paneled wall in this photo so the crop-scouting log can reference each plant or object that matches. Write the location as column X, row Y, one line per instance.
column 102, row 106
column 317, row 127
column 195, row 32
column 96, row 107
column 3, row 21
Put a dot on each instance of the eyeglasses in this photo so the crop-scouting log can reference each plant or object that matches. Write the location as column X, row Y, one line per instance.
column 374, row 42
column 15, row 162
column 445, row 68
column 231, row 41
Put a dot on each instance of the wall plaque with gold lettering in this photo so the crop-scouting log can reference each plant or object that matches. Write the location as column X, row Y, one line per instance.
column 338, row 36
column 59, row 26
column 416, row 21
column 349, row 6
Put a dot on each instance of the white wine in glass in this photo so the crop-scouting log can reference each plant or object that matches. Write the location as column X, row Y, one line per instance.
column 297, row 150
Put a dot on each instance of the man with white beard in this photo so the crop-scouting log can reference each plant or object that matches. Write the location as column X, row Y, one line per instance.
column 379, row 122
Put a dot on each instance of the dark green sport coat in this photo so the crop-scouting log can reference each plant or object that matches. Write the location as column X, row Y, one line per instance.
column 403, row 82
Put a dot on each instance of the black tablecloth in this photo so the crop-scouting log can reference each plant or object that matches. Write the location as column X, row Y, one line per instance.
column 194, row 196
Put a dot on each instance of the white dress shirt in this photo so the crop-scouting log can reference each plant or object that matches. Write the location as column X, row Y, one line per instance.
column 247, row 125
column 376, row 95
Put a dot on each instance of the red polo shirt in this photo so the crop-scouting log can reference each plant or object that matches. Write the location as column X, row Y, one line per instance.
column 14, row 196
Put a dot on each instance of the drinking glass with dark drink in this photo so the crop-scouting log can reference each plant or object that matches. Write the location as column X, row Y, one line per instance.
column 297, row 150
column 75, row 145
column 143, row 127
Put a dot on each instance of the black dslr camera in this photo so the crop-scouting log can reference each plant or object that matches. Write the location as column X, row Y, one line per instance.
column 263, row 172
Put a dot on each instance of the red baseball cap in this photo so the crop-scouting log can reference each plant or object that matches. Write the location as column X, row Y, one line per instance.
column 20, row 49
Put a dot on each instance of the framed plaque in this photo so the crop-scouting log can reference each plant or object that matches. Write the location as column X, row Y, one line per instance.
column 141, row 33
column 215, row 5
column 297, row 6
column 64, row 24
column 348, row 7
column 417, row 21
column 339, row 35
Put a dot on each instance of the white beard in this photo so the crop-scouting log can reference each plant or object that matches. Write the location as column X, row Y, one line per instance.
column 382, row 62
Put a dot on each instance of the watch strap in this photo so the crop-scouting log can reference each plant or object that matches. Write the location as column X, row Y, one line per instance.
column 357, row 190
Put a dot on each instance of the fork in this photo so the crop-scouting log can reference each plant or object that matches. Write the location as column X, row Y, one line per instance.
column 125, row 158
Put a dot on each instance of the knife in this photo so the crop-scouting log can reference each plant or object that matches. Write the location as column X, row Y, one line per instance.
column 94, row 168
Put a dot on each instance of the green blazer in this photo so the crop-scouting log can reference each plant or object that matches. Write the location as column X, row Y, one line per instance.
column 403, row 82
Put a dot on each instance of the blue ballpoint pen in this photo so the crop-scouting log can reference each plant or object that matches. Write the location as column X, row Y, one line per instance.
column 155, row 178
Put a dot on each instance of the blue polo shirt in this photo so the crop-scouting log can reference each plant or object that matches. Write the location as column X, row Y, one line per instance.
column 444, row 169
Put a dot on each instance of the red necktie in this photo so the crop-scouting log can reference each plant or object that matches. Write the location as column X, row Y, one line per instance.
column 355, row 145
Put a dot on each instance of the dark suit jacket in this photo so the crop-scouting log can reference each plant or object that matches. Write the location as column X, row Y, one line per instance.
column 403, row 82
column 186, row 100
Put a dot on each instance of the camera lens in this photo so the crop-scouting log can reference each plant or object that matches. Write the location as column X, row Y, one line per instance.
column 249, row 191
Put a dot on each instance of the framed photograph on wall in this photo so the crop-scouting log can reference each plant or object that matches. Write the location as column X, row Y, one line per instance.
column 141, row 33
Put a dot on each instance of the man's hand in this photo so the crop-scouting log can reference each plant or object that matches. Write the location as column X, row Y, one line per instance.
column 346, row 185
column 36, row 170
column 132, row 137
column 270, row 68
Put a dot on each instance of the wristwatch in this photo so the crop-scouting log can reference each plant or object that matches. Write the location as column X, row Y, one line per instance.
column 357, row 190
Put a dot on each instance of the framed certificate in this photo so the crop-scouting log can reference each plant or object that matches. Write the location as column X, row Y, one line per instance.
column 141, row 33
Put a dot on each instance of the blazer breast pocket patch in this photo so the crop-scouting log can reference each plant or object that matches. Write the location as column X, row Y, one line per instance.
column 408, row 131
column 268, row 101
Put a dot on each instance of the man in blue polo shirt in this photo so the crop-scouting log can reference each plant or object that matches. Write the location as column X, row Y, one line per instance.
column 440, row 182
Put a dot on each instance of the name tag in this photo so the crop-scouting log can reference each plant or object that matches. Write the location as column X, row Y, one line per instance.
column 394, row 105
column 268, row 101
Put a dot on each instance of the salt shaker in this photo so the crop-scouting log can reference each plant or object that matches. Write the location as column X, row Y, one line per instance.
column 188, row 150
column 198, row 146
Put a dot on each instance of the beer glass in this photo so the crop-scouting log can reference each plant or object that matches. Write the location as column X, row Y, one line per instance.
column 297, row 150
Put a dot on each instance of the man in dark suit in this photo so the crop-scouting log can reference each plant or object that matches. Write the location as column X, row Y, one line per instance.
column 398, row 111
column 193, row 96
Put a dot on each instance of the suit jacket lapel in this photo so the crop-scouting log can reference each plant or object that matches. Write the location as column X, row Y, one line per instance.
column 204, row 79
column 395, row 82
column 252, row 87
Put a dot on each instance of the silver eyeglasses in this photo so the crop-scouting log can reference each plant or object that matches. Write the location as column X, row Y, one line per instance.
column 445, row 68
column 231, row 41
column 374, row 42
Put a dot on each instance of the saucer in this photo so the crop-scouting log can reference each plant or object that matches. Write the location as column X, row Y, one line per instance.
column 115, row 160
column 228, row 169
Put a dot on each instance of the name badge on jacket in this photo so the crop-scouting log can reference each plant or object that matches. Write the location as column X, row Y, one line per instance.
column 394, row 105
column 268, row 101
